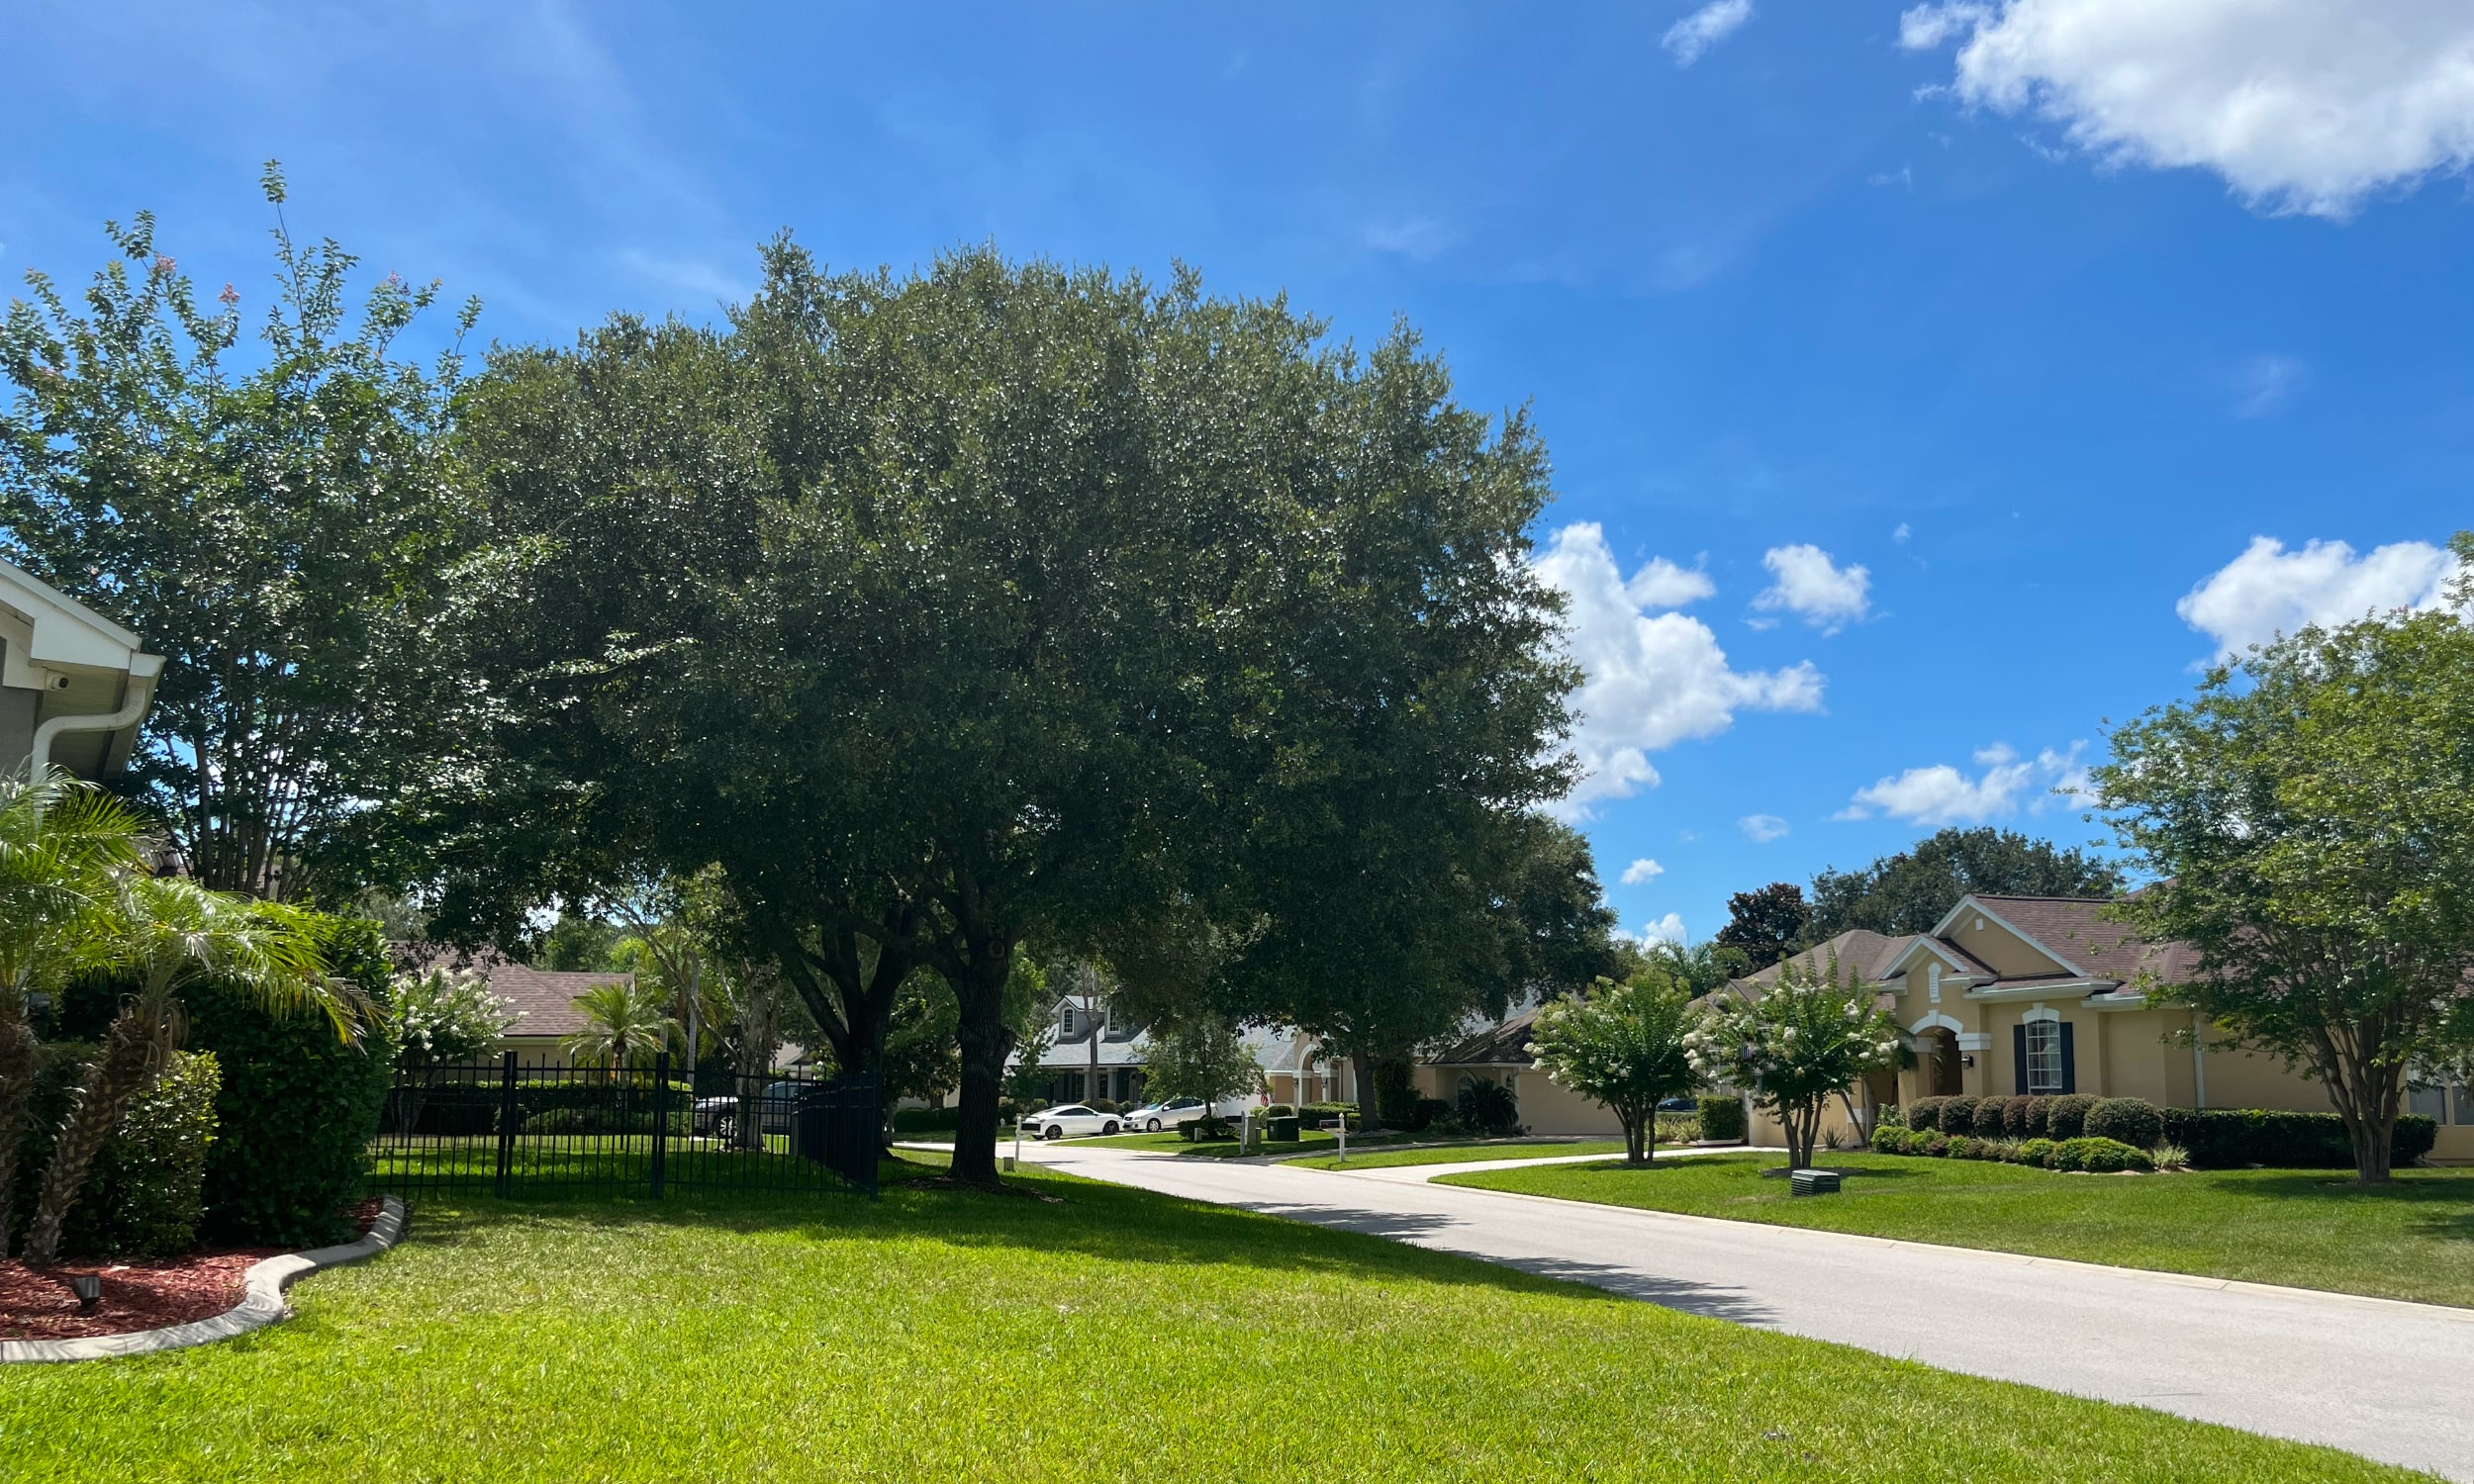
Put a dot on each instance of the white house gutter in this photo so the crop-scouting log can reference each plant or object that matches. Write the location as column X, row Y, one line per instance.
column 40, row 760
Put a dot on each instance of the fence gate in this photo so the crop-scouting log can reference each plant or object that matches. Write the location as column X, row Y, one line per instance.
column 508, row 1129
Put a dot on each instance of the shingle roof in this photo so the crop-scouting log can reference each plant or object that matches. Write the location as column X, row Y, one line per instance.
column 2075, row 928
column 547, row 996
column 1505, row 1045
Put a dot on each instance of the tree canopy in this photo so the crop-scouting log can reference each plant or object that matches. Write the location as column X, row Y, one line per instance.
column 279, row 531
column 1766, row 925
column 2310, row 812
column 1909, row 891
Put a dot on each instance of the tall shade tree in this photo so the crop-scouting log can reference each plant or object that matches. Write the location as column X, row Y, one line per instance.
column 956, row 612
column 1803, row 1041
column 66, row 853
column 1621, row 1046
column 172, row 934
column 624, row 1022
column 2310, row 813
column 1766, row 925
column 277, row 528
column 1910, row 890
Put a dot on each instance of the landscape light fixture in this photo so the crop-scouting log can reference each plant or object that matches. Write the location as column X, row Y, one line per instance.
column 89, row 1290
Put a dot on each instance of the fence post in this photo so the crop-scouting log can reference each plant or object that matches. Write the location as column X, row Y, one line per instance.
column 661, row 1116
column 506, row 1124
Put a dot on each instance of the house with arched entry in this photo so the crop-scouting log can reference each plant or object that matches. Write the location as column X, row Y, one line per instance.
column 2040, row 995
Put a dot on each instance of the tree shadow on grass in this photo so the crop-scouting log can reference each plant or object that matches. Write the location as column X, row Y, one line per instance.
column 1087, row 1219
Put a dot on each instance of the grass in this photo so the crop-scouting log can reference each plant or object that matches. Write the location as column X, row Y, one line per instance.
column 2309, row 1228
column 1106, row 1334
column 1168, row 1141
column 1462, row 1153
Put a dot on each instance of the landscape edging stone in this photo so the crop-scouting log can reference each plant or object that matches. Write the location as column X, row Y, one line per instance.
column 261, row 1304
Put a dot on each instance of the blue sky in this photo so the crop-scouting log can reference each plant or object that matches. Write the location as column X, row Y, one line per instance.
column 2042, row 314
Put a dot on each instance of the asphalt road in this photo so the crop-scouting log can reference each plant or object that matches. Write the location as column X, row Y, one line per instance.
column 2385, row 1379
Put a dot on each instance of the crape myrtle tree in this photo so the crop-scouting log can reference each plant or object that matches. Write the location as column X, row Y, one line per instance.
column 275, row 519
column 1795, row 1045
column 1621, row 1046
column 2310, row 813
column 1202, row 1057
column 1912, row 890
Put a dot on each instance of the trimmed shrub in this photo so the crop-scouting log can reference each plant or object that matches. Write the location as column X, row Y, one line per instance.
column 1278, row 1110
column 1924, row 1113
column 1917, row 1142
column 1959, row 1115
column 1989, row 1114
column 1961, row 1147
column 1996, row 1149
column 2228, row 1137
column 1889, row 1139
column 2014, row 1114
column 2066, row 1117
column 143, row 1192
column 1722, row 1119
column 2100, row 1156
column 297, row 1108
column 1100, row 1105
column 609, row 1119
column 2125, row 1120
column 928, row 1120
column 1936, row 1145
column 2038, row 1152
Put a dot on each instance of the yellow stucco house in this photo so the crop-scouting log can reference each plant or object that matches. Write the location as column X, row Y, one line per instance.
column 2038, row 995
column 2007, row 994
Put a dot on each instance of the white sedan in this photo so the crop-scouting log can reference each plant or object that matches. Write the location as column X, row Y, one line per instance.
column 1071, row 1121
column 1175, row 1113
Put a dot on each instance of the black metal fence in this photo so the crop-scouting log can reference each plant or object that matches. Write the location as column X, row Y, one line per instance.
column 509, row 1128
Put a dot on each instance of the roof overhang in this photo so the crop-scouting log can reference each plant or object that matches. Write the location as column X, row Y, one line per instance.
column 2082, row 987
column 1941, row 950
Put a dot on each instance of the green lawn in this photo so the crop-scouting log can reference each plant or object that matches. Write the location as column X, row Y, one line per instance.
column 1169, row 1142
column 1105, row 1335
column 2312, row 1229
column 1457, row 1154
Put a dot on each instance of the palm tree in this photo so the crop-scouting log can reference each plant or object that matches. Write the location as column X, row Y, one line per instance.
column 174, row 933
column 65, row 848
column 621, row 1022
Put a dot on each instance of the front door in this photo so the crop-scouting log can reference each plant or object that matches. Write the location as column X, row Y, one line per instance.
column 1947, row 1076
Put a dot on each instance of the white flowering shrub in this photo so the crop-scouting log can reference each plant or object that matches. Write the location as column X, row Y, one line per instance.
column 446, row 1015
column 1805, row 1040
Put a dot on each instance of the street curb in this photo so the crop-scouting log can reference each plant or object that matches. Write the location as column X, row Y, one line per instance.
column 261, row 1305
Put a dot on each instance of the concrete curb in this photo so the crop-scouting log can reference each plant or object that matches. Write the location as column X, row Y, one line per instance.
column 261, row 1305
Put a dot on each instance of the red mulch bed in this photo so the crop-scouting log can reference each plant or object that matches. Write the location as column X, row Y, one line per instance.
column 36, row 1303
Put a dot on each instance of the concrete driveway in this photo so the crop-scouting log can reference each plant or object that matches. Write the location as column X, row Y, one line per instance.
column 2385, row 1379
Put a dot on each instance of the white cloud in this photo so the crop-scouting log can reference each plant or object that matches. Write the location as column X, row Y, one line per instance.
column 1902, row 534
column 2268, row 591
column 1663, row 585
column 1652, row 679
column 2264, row 383
column 1761, row 829
column 1808, row 584
column 1667, row 929
column 2301, row 105
column 1643, row 871
column 1705, row 27
column 1942, row 794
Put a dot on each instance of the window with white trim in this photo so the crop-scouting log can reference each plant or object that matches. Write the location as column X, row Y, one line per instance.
column 2043, row 1056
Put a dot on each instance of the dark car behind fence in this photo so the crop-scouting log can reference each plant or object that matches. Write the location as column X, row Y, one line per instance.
column 509, row 1128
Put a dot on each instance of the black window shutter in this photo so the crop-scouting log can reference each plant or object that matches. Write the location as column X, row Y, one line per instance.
column 2019, row 1053
column 2070, row 1061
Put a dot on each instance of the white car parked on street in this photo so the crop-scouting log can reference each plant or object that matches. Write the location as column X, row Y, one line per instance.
column 1070, row 1121
column 1178, row 1112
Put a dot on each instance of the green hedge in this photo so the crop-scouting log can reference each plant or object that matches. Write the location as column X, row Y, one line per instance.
column 927, row 1120
column 2229, row 1139
column 2126, row 1120
column 297, row 1108
column 1722, row 1119
column 2098, row 1156
column 467, row 1109
column 144, row 1194
column 2066, row 1117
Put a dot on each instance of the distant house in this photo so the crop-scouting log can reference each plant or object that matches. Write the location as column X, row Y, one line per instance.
column 1292, row 1064
column 545, row 996
column 75, row 687
column 2040, row 995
